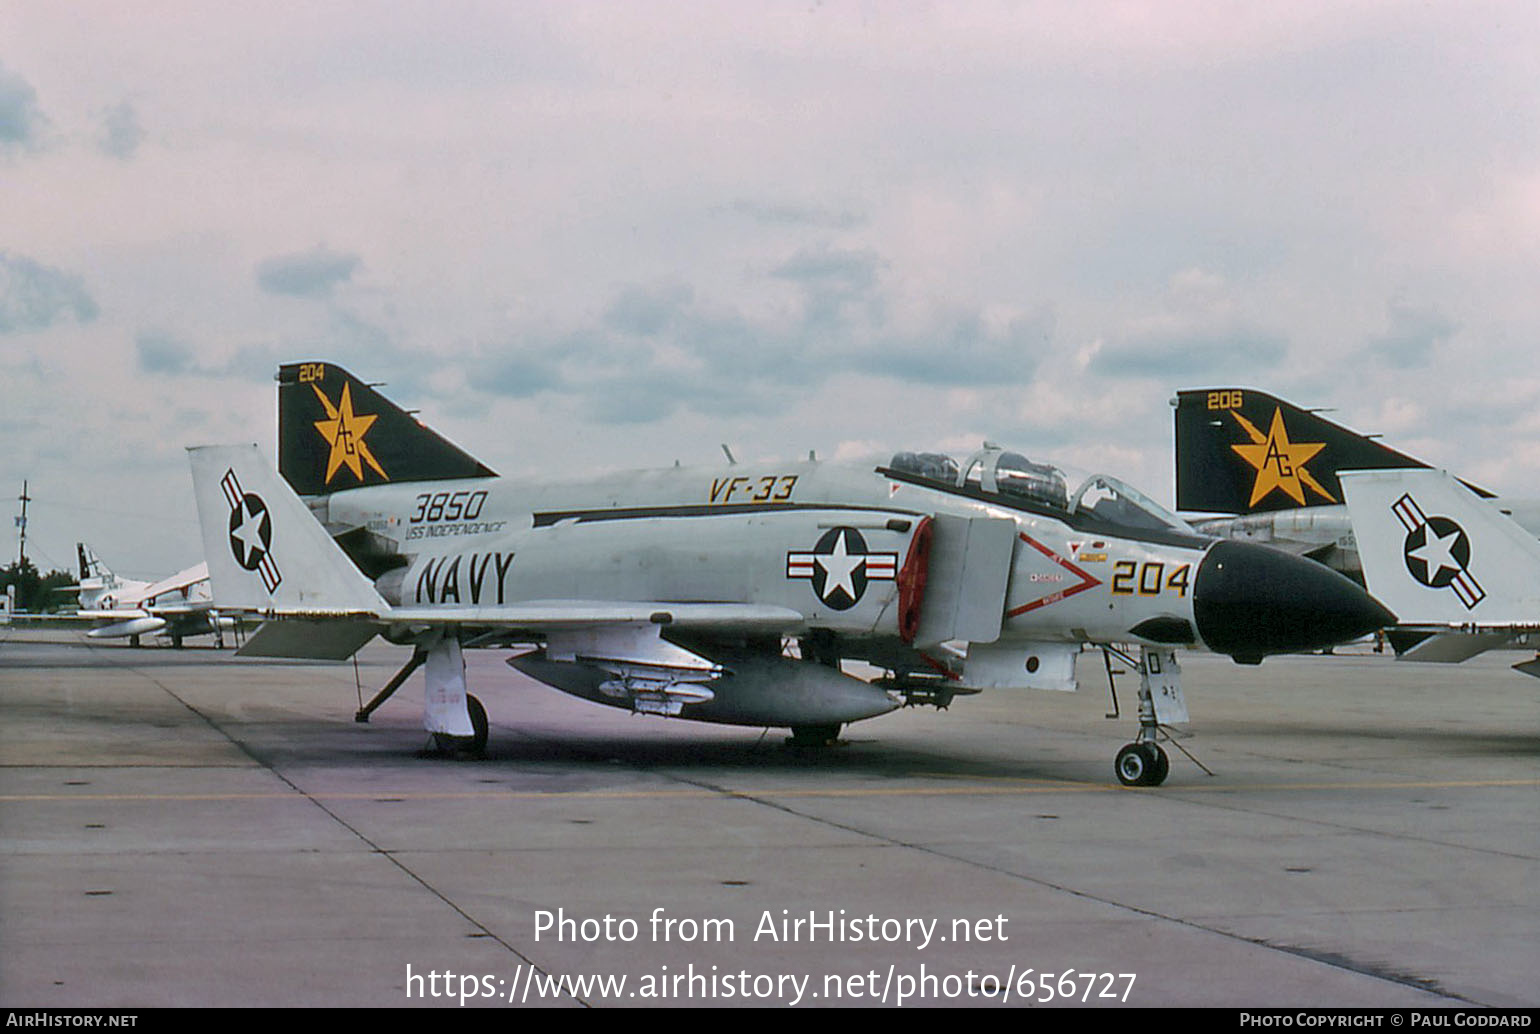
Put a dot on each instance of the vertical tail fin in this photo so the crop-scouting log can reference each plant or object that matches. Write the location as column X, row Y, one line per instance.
column 336, row 432
column 1437, row 555
column 1243, row 451
column 91, row 565
column 264, row 548
column 95, row 580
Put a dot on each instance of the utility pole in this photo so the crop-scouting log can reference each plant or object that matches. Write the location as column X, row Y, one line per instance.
column 21, row 522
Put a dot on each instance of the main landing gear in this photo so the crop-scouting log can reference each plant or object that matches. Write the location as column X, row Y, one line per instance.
column 808, row 738
column 455, row 719
column 817, row 648
column 474, row 745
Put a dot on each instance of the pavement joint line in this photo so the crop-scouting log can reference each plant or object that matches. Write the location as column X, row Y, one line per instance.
column 984, row 790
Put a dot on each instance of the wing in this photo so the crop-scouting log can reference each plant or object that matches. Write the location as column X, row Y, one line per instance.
column 541, row 616
column 562, row 624
column 180, row 587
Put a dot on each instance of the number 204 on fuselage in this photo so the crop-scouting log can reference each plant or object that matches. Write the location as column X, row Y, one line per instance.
column 735, row 594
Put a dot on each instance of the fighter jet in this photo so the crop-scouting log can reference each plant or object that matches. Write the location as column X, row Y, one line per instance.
column 123, row 608
column 736, row 595
column 1272, row 468
column 1462, row 574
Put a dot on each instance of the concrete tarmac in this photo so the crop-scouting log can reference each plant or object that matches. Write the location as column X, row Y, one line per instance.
column 184, row 828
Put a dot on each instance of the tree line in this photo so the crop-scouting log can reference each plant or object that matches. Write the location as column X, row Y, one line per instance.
column 35, row 593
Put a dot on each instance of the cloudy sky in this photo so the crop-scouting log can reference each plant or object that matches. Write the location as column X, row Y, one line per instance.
column 586, row 236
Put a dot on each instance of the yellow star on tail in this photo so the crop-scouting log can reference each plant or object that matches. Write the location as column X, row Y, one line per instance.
column 344, row 431
column 1279, row 462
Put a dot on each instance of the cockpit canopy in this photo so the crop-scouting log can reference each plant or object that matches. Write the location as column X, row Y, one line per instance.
column 1015, row 480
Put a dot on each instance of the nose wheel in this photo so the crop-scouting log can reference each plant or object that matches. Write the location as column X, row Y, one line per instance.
column 1142, row 764
column 1144, row 761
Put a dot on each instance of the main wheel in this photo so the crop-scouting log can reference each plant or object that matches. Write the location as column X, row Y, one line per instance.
column 1141, row 764
column 478, row 716
column 474, row 745
column 807, row 736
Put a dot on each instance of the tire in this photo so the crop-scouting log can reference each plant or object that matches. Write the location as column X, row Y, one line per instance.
column 1137, row 764
column 474, row 745
column 478, row 715
column 803, row 736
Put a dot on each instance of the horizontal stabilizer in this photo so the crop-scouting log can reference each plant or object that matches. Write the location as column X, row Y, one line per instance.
column 311, row 640
column 1530, row 668
column 1452, row 647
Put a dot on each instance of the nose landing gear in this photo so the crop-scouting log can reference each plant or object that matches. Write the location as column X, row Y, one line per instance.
column 1144, row 762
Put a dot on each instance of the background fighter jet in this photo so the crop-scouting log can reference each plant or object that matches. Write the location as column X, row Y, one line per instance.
column 1272, row 468
column 99, row 587
column 1462, row 575
column 735, row 595
column 174, row 607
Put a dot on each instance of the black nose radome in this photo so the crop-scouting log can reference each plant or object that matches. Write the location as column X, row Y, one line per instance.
column 1250, row 601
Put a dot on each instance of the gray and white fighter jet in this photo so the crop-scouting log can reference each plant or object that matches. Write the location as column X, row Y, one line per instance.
column 735, row 595
column 174, row 607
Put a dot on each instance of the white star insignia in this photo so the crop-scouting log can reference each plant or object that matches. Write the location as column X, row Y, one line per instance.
column 839, row 569
column 1438, row 552
column 249, row 533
